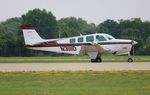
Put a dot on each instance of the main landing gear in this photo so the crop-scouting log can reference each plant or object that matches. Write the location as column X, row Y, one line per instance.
column 130, row 60
column 97, row 59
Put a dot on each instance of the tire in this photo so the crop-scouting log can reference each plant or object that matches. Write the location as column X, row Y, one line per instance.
column 92, row 60
column 98, row 59
column 130, row 60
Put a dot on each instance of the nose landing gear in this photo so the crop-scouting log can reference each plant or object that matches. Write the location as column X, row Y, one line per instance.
column 130, row 60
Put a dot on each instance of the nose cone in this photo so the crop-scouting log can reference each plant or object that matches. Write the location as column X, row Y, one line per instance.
column 134, row 42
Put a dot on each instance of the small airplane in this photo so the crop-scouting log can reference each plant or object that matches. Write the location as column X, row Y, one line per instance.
column 93, row 45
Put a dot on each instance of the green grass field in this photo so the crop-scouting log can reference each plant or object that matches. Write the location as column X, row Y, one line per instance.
column 75, row 83
column 67, row 59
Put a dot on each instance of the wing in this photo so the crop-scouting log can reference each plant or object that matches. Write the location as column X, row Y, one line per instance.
column 92, row 50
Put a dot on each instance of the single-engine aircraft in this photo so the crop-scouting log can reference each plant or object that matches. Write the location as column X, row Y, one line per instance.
column 93, row 45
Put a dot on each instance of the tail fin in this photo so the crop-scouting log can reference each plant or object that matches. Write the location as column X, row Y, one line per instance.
column 31, row 37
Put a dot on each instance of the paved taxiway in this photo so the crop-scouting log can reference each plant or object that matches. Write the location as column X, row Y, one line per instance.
column 10, row 67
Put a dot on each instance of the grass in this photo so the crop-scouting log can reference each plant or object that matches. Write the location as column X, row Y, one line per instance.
column 75, row 83
column 67, row 59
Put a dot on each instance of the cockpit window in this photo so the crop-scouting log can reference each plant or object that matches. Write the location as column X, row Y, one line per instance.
column 100, row 38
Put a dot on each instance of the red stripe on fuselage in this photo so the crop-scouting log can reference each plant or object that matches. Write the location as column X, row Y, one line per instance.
column 55, row 44
column 110, row 43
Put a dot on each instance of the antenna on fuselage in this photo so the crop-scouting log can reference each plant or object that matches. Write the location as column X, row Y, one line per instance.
column 66, row 34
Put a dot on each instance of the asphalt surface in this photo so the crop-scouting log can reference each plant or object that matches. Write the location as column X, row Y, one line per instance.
column 12, row 67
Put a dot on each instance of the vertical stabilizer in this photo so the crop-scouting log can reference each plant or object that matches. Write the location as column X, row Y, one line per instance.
column 31, row 37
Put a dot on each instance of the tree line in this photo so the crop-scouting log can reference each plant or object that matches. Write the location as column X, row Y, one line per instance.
column 12, row 43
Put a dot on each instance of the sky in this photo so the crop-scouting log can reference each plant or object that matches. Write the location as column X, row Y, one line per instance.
column 93, row 11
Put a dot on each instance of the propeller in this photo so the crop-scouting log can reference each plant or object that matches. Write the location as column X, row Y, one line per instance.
column 133, row 44
column 133, row 49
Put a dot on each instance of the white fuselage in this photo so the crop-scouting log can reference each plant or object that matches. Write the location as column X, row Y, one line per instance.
column 93, row 45
column 72, row 45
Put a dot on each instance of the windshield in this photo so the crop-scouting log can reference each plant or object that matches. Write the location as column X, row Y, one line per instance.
column 109, row 37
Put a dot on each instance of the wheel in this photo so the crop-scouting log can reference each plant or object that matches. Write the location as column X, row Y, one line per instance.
column 98, row 59
column 93, row 60
column 130, row 60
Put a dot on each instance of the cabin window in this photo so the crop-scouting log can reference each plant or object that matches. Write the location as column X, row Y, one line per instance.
column 80, row 39
column 89, row 38
column 72, row 40
column 100, row 38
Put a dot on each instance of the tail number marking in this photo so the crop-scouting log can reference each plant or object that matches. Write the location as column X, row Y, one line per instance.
column 68, row 48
